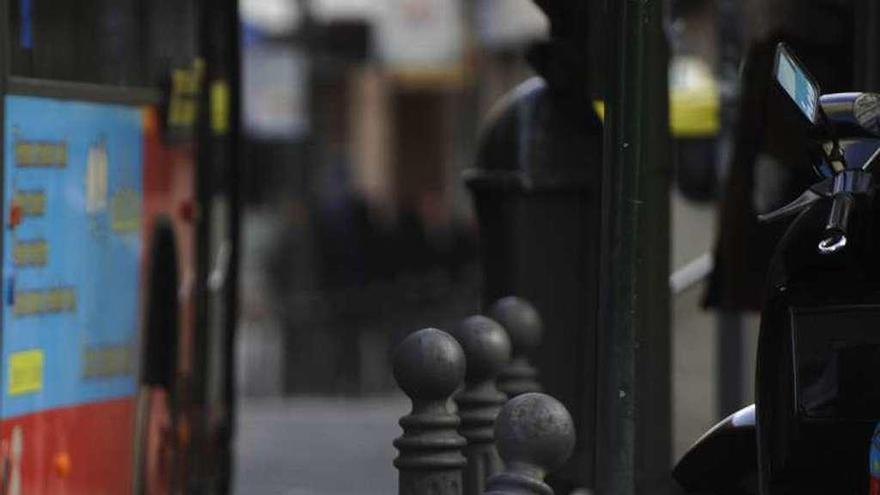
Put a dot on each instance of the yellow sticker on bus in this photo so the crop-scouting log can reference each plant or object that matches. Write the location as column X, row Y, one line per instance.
column 25, row 372
column 220, row 107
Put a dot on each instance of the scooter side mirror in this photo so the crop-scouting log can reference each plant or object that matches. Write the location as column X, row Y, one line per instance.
column 797, row 83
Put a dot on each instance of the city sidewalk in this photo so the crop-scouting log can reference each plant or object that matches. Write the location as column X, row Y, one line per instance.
column 318, row 446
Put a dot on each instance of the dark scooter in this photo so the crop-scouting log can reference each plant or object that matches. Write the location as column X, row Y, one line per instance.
column 817, row 383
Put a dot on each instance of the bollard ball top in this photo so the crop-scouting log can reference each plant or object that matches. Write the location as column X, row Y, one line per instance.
column 486, row 347
column 521, row 320
column 536, row 430
column 429, row 365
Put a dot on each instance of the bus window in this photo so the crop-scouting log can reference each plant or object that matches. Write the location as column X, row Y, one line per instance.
column 115, row 42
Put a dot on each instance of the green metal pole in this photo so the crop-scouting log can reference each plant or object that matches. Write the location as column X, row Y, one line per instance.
column 634, row 413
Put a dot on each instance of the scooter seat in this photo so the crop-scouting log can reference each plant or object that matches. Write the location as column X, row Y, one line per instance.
column 724, row 460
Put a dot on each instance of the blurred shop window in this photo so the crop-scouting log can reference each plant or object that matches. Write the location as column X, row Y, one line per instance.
column 325, row 11
column 271, row 17
column 504, row 31
column 361, row 117
column 275, row 102
column 416, row 35
column 502, row 23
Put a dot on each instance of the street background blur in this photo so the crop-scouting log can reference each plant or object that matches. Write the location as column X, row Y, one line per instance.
column 359, row 118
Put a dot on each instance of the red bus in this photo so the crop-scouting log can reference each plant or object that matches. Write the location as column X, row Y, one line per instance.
column 119, row 152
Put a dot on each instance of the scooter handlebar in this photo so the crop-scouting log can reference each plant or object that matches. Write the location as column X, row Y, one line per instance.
column 835, row 237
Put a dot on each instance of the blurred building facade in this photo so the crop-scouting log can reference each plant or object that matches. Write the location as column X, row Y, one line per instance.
column 359, row 117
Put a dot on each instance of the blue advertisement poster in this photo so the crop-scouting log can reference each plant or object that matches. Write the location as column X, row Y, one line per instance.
column 72, row 178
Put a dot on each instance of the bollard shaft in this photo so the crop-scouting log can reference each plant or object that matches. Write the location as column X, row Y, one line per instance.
column 478, row 409
column 524, row 326
column 429, row 367
column 487, row 350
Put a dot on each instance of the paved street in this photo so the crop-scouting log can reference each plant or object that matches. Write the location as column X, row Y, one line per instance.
column 695, row 333
column 312, row 446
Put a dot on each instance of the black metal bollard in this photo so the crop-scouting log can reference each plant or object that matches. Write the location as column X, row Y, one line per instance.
column 429, row 366
column 524, row 327
column 537, row 184
column 487, row 350
column 535, row 435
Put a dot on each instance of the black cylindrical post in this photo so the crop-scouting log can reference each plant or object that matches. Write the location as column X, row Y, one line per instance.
column 429, row 366
column 535, row 435
column 634, row 410
column 487, row 350
column 524, row 327
column 731, row 340
column 730, row 323
column 535, row 185
column 217, row 245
